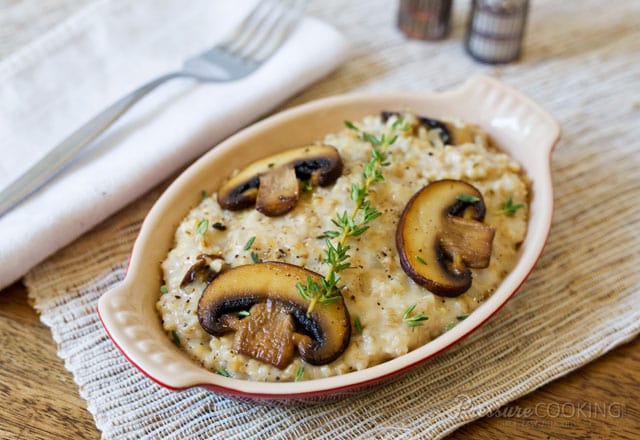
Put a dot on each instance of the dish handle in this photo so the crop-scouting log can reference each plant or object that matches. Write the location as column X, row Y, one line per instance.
column 509, row 112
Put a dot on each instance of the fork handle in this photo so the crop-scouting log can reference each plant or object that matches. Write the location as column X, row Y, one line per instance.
column 54, row 161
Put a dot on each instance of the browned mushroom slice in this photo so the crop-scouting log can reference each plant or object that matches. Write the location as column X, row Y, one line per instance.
column 443, row 127
column 451, row 133
column 320, row 337
column 429, row 123
column 209, row 264
column 278, row 191
column 319, row 164
column 441, row 234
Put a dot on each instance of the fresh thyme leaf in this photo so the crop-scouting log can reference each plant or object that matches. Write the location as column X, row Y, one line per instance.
column 202, row 227
column 462, row 317
column 204, row 195
column 332, row 234
column 421, row 260
column 244, row 313
column 358, row 325
column 408, row 311
column 175, row 337
column 413, row 320
column 254, row 257
column 329, row 300
column 271, row 165
column 449, row 326
column 509, row 208
column 164, row 289
column 359, row 230
column 222, row 372
column 467, row 198
column 303, row 291
column 350, row 125
column 356, row 192
column 299, row 374
column 368, row 137
column 249, row 243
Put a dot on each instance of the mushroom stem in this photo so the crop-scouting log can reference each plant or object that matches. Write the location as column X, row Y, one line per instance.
column 469, row 213
column 458, row 265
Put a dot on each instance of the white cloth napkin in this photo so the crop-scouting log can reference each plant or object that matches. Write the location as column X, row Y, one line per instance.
column 51, row 87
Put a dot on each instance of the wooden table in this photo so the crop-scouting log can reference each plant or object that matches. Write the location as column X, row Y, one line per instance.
column 39, row 400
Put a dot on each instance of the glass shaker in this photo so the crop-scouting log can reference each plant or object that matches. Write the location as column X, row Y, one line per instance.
column 496, row 29
column 425, row 19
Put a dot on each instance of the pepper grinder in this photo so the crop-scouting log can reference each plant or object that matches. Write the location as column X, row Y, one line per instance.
column 495, row 30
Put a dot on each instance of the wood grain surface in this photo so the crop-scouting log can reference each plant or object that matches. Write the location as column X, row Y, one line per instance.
column 39, row 400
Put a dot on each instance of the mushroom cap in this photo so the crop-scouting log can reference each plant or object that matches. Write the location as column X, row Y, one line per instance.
column 318, row 163
column 328, row 327
column 440, row 234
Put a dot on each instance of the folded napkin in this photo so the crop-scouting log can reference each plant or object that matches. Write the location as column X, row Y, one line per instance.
column 57, row 83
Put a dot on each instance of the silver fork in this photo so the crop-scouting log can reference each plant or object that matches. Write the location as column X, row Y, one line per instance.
column 247, row 47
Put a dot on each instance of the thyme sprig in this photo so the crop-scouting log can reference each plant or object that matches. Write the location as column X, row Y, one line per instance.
column 413, row 320
column 351, row 224
column 509, row 208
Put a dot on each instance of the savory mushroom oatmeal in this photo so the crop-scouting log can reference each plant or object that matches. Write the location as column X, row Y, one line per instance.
column 360, row 248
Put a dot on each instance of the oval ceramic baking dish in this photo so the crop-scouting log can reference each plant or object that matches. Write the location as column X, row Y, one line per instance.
column 518, row 125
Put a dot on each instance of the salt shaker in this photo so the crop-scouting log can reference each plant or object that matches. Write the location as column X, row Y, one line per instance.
column 495, row 30
column 425, row 19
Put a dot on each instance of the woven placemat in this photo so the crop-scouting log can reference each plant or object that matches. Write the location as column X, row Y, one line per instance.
column 582, row 299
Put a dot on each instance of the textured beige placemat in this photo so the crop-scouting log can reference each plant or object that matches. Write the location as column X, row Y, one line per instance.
column 583, row 298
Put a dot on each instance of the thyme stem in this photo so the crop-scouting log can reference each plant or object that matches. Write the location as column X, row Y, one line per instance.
column 351, row 224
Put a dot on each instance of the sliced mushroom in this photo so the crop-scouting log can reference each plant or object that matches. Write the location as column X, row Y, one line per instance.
column 450, row 132
column 209, row 264
column 429, row 123
column 266, row 334
column 443, row 127
column 319, row 164
column 440, row 235
column 278, row 191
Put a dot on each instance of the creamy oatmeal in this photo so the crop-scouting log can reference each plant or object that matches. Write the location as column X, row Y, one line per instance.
column 378, row 292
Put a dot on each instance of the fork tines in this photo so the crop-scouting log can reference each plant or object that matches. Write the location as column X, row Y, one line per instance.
column 264, row 29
